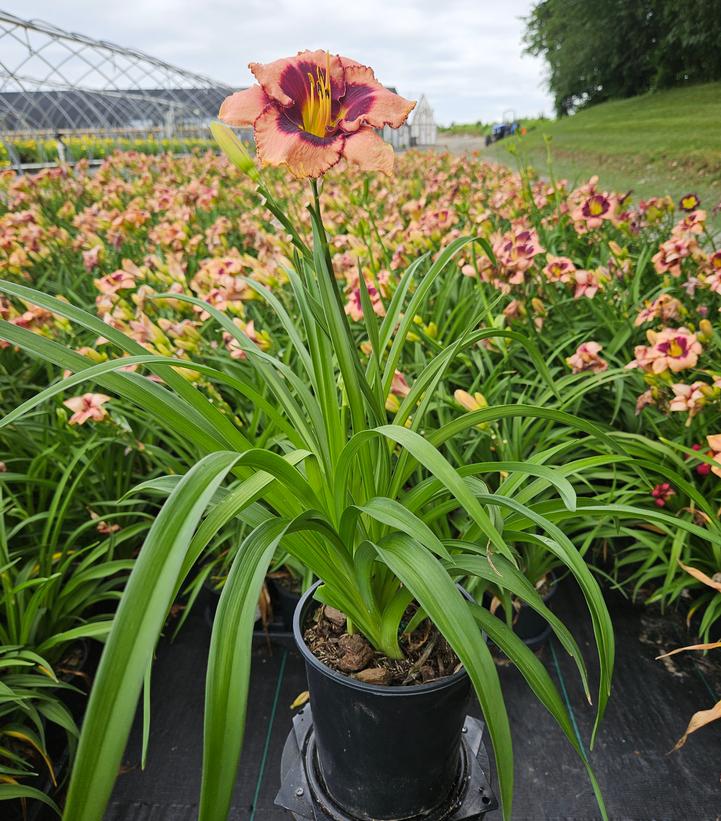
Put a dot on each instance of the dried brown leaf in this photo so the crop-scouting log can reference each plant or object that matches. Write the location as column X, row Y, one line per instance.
column 712, row 645
column 698, row 720
column 701, row 576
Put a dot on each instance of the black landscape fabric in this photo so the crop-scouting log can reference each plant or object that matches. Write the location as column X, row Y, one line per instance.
column 640, row 780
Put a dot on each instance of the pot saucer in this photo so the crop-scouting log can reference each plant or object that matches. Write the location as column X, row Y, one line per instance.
column 303, row 795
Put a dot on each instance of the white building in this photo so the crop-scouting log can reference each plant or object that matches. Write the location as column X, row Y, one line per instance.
column 423, row 126
column 397, row 137
column 422, row 129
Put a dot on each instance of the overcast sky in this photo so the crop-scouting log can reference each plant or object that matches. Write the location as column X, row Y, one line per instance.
column 465, row 55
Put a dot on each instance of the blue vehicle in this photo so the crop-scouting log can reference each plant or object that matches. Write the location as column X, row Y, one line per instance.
column 507, row 128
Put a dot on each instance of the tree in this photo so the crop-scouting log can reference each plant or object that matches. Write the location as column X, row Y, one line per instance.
column 609, row 49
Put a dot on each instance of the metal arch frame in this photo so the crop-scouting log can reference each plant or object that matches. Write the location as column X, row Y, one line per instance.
column 115, row 90
column 60, row 34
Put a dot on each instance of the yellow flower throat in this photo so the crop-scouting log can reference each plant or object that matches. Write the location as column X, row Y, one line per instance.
column 316, row 110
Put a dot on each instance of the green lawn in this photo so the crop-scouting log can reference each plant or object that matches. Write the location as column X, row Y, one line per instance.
column 663, row 143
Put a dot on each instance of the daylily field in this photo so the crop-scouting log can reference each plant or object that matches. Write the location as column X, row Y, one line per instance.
column 589, row 303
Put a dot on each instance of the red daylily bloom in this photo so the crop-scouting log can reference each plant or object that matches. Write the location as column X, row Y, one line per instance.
column 311, row 110
column 662, row 493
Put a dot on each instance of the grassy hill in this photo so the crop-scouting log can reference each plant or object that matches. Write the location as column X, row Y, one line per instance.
column 663, row 143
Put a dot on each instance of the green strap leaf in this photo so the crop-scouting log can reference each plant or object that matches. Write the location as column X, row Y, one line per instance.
column 10, row 791
column 435, row 592
column 131, row 642
column 540, row 682
column 227, row 679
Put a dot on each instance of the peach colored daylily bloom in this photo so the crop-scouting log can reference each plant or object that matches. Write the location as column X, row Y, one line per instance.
column 311, row 110
column 671, row 349
column 688, row 398
column 559, row 269
column 714, row 442
column 587, row 284
column 259, row 338
column 665, row 308
column 87, row 406
column 671, row 255
column 399, row 385
column 587, row 358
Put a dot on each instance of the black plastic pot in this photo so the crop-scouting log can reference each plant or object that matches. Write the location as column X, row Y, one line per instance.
column 284, row 602
column 384, row 752
column 529, row 625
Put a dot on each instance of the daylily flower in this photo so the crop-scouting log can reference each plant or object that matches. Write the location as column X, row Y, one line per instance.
column 671, row 254
column 688, row 399
column 714, row 262
column 399, row 390
column 559, row 269
column 714, row 442
column 311, row 110
column 662, row 493
column 645, row 399
column 91, row 257
column 595, row 207
column 87, row 406
column 671, row 349
column 399, row 385
column 259, row 338
column 354, row 305
column 117, row 281
column 693, row 223
column 590, row 212
column 587, row 284
column 515, row 251
column 514, row 309
column 665, row 308
column 689, row 202
column 587, row 358
column 472, row 403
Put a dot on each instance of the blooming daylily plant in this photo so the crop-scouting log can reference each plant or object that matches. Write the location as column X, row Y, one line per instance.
column 310, row 111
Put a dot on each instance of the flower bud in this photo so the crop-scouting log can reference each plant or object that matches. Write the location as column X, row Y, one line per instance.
column 234, row 149
column 705, row 329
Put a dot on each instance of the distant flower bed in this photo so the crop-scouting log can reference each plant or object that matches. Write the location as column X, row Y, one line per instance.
column 621, row 298
column 30, row 150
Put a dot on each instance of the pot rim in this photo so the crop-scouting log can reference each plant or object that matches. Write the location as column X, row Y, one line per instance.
column 354, row 684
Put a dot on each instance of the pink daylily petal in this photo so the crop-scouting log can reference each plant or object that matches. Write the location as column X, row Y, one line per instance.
column 367, row 102
column 369, row 150
column 286, row 80
column 244, row 107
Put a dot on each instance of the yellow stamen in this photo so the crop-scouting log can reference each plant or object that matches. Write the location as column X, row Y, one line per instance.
column 316, row 111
